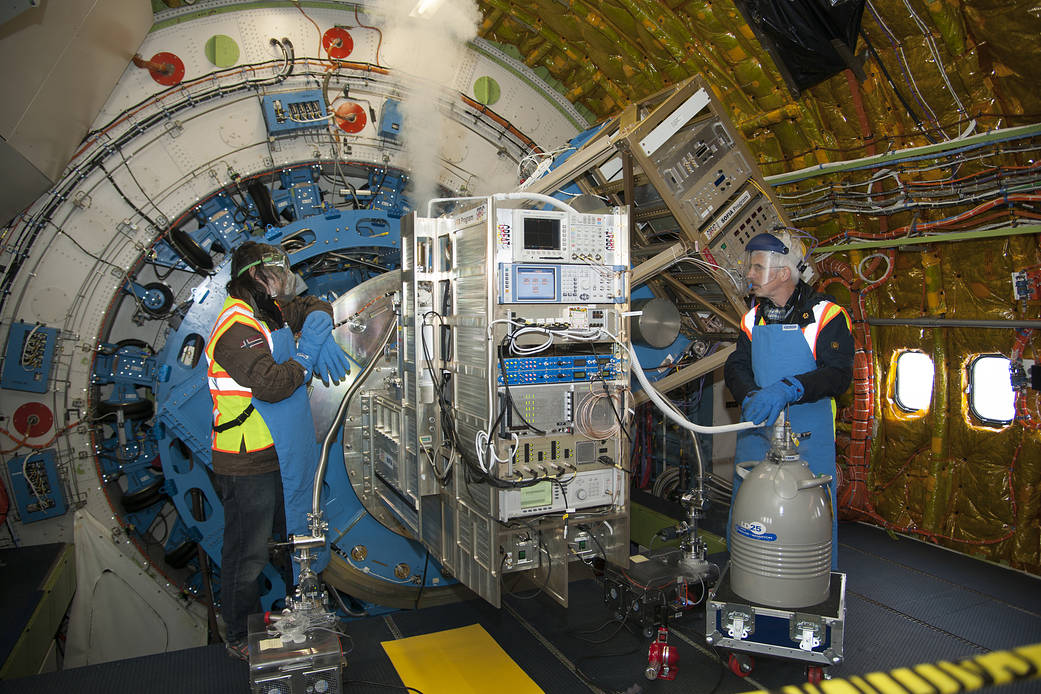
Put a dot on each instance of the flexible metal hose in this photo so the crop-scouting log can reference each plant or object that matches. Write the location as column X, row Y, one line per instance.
column 341, row 413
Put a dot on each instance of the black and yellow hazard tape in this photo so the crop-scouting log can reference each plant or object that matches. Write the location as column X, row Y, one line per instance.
column 996, row 668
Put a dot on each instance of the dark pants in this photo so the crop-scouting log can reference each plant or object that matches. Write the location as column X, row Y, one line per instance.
column 253, row 513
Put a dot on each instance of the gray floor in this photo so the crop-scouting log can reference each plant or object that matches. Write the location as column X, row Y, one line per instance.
column 907, row 603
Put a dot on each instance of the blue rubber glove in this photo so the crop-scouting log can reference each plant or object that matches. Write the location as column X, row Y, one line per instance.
column 332, row 364
column 317, row 327
column 763, row 406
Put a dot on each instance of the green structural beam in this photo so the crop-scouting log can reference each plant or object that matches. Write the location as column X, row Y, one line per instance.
column 938, row 238
column 911, row 154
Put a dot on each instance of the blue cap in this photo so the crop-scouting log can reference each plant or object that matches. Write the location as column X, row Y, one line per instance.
column 766, row 242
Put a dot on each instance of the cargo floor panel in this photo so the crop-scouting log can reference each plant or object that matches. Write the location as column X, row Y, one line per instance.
column 906, row 603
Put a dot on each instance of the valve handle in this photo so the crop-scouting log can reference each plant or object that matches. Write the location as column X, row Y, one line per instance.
column 816, row 481
column 744, row 468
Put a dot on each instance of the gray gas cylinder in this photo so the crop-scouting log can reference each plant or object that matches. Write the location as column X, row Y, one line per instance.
column 780, row 537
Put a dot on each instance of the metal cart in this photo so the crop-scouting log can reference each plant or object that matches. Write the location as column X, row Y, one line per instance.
column 808, row 634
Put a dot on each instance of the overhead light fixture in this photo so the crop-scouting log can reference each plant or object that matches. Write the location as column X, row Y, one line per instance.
column 425, row 8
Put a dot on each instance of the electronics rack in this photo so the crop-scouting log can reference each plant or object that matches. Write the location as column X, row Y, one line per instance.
column 708, row 178
column 515, row 393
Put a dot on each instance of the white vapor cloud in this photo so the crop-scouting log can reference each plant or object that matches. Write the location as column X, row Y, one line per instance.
column 431, row 49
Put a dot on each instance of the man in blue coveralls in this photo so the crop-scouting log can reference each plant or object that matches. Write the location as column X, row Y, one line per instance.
column 795, row 350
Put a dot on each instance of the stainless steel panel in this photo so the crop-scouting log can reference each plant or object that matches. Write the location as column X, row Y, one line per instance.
column 464, row 510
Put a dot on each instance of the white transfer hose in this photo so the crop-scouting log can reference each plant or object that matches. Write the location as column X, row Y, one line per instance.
column 659, row 401
column 538, row 197
column 535, row 197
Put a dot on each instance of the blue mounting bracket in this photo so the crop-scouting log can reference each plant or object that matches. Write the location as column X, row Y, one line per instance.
column 221, row 219
column 299, row 192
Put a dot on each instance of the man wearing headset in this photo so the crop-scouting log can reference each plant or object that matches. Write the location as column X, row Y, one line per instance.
column 794, row 350
column 263, row 442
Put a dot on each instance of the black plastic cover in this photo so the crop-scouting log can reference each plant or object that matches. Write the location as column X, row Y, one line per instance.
column 799, row 35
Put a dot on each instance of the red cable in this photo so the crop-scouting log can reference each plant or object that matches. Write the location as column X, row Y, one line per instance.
column 376, row 29
column 37, row 446
column 925, row 226
column 854, row 496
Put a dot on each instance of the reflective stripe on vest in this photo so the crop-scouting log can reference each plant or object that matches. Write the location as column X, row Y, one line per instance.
column 231, row 398
column 823, row 313
column 748, row 322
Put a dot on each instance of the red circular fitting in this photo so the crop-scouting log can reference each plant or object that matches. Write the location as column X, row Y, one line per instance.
column 349, row 117
column 168, row 69
column 33, row 419
column 337, row 42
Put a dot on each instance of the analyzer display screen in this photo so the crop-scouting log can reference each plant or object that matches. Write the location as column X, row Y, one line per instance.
column 537, row 495
column 541, row 234
column 535, row 284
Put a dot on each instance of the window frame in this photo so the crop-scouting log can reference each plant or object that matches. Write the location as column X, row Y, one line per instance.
column 896, row 383
column 971, row 392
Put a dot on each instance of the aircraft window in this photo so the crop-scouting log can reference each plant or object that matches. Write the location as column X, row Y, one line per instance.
column 991, row 399
column 914, row 381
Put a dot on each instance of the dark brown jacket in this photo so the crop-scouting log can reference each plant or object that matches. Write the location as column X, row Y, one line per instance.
column 244, row 354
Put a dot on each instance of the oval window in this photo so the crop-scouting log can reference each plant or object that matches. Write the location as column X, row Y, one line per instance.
column 991, row 398
column 913, row 390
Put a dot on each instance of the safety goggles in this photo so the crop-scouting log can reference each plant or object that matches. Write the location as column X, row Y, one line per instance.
column 271, row 260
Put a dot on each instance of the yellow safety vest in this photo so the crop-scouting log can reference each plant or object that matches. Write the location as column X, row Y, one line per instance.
column 823, row 313
column 231, row 398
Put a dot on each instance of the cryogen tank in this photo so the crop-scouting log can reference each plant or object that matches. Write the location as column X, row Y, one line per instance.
column 780, row 540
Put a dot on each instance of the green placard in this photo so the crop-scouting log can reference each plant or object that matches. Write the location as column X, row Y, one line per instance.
column 222, row 51
column 486, row 90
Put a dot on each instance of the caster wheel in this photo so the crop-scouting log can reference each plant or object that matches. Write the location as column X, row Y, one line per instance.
column 740, row 665
column 814, row 674
column 158, row 299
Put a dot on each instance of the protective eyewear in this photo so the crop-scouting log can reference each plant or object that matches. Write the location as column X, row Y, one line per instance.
column 272, row 260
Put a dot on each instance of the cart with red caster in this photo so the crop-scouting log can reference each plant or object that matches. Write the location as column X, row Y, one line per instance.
column 810, row 635
column 741, row 664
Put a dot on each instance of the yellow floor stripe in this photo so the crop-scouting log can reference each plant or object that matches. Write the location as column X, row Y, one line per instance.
column 457, row 661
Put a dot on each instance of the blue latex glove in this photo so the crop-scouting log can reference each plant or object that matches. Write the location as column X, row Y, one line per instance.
column 317, row 327
column 332, row 364
column 763, row 406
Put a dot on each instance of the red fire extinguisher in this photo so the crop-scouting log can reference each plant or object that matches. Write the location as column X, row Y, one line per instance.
column 661, row 658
